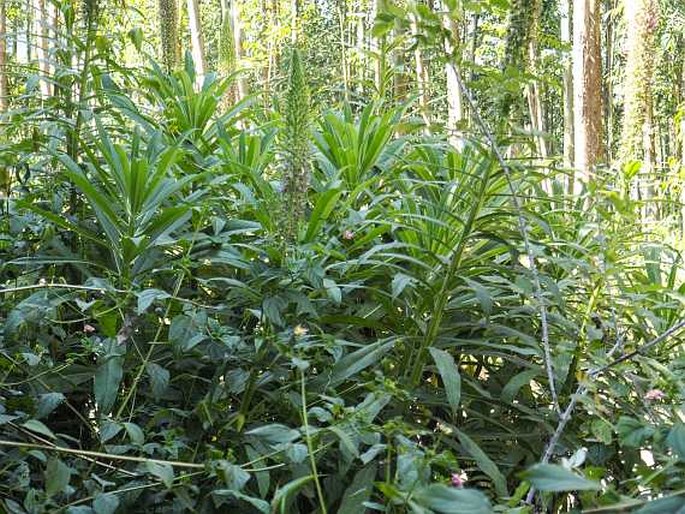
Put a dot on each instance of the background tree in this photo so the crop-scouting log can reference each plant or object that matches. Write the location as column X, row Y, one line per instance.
column 196, row 39
column 4, row 90
column 588, row 144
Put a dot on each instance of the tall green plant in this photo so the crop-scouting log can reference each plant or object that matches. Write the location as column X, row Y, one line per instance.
column 296, row 146
column 168, row 25
column 134, row 197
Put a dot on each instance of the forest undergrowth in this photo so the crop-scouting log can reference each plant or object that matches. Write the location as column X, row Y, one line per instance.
column 231, row 308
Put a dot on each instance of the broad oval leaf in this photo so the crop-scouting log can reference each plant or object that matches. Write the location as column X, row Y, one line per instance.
column 553, row 478
column 450, row 500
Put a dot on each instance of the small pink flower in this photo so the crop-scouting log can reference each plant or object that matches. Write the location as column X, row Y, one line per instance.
column 457, row 480
column 88, row 329
column 348, row 235
column 655, row 394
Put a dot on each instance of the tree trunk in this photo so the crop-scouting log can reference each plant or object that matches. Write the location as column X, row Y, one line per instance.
column 587, row 88
column 455, row 101
column 535, row 108
column 4, row 90
column 398, row 80
column 361, row 53
column 168, row 24
column 608, row 72
column 567, row 84
column 375, row 45
column 238, row 47
column 342, row 22
column 421, row 69
column 197, row 46
column 40, row 38
column 641, row 21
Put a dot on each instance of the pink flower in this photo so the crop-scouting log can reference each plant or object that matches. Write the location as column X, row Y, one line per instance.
column 88, row 329
column 457, row 480
column 655, row 394
column 348, row 235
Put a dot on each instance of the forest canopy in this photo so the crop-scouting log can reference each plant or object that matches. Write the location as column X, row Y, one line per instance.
column 342, row 256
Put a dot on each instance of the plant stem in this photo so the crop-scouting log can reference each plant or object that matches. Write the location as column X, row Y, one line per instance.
column 310, row 447
column 100, row 455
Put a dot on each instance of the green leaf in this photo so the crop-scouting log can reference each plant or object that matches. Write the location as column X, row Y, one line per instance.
column 633, row 432
column 602, row 430
column 482, row 294
column 676, row 439
column 136, row 37
column 135, row 433
column 184, row 333
column 358, row 492
column 47, row 403
column 57, row 475
column 283, row 493
column 162, row 471
column 514, row 385
column 275, row 434
column 324, row 206
column 357, row 361
column 106, row 384
column 484, row 463
column 450, row 500
column 105, row 503
column 346, row 442
column 261, row 505
column 673, row 505
column 234, row 476
column 36, row 426
column 159, row 378
column 399, row 283
column 145, row 298
column 553, row 478
column 449, row 372
column 6, row 418
column 109, row 429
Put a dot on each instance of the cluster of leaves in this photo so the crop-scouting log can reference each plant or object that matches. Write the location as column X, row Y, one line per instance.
column 166, row 346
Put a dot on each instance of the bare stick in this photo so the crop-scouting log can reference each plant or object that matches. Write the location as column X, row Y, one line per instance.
column 523, row 229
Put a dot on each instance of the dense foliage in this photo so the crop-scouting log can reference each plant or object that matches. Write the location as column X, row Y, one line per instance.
column 215, row 304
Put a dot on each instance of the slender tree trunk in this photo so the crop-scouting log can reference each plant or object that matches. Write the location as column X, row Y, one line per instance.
column 52, row 36
column 587, row 88
column 28, row 5
column 535, row 108
column 682, row 145
column 474, row 42
column 272, row 49
column 342, row 22
column 294, row 21
column 375, row 45
column 609, row 93
column 238, row 46
column 682, row 117
column 40, row 38
column 4, row 90
column 361, row 54
column 455, row 101
column 422, row 80
column 567, row 85
column 398, row 81
column 197, row 45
